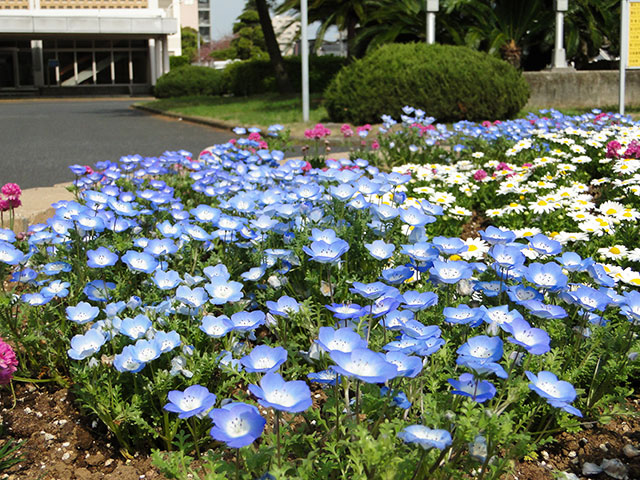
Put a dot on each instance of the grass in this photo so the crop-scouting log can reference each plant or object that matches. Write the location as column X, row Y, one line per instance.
column 260, row 111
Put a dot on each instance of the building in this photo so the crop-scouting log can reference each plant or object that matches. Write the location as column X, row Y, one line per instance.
column 88, row 45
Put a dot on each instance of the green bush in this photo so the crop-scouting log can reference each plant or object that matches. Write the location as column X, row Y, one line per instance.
column 253, row 77
column 447, row 82
column 177, row 61
column 190, row 80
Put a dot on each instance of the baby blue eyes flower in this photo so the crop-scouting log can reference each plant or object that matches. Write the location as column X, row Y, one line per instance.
column 495, row 235
column 195, row 400
column 222, row 291
column 478, row 390
column 146, row 350
column 587, row 298
column 216, row 327
column 407, row 365
column 323, row 252
column 83, row 312
column 284, row 306
column 548, row 276
column 274, row 392
column 380, row 250
column 325, row 377
column 342, row 340
column 264, row 359
column 364, row 364
column 450, row 272
column 344, row 311
column 426, row 437
column 9, row 254
column 534, row 340
column 192, row 297
column 414, row 217
column 600, row 276
column 463, row 315
column 83, row 346
column 166, row 280
column 99, row 290
column 544, row 310
column 507, row 257
column 247, row 321
column 236, row 424
column 140, row 261
column 544, row 245
column 557, row 393
column 416, row 301
column 449, row 246
column 135, row 328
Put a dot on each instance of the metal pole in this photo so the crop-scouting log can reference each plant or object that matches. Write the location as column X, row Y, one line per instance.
column 305, row 60
column 559, row 55
column 624, row 46
column 431, row 28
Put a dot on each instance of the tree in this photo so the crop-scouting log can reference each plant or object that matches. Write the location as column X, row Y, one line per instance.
column 248, row 40
column 347, row 15
column 282, row 78
column 189, row 42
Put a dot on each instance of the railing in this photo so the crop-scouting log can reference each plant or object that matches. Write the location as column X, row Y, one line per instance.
column 10, row 4
column 62, row 4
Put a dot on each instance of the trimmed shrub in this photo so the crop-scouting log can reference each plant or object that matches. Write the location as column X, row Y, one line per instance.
column 449, row 83
column 253, row 77
column 190, row 80
column 178, row 61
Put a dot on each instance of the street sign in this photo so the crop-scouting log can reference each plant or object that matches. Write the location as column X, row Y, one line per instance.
column 633, row 58
column 629, row 43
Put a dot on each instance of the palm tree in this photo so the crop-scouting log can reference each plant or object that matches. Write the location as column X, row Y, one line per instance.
column 347, row 15
column 282, row 78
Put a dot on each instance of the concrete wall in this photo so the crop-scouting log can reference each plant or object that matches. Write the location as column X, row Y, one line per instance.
column 596, row 88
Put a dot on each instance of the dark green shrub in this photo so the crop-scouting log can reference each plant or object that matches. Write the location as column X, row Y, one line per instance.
column 252, row 77
column 447, row 82
column 190, row 80
column 177, row 61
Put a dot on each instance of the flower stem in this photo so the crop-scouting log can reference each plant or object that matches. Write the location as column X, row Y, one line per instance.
column 277, row 427
column 415, row 474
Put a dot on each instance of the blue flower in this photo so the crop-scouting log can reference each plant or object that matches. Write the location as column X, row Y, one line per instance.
column 236, row 424
column 415, row 217
column 274, row 392
column 167, row 341
column 462, row 314
column 57, row 288
column 101, row 257
column 419, row 330
column 507, row 256
column 631, row 306
column 9, row 254
column 370, row 291
column 481, row 353
column 500, row 316
column 534, row 340
column 98, row 290
column 194, row 298
column 450, row 272
column 222, row 291
column 135, row 328
column 600, row 275
column 145, row 351
column 323, row 252
column 246, row 321
column 264, row 358
column 140, row 261
column 416, row 301
column 587, row 298
column 216, row 327
column 426, row 437
column 36, row 299
column 380, row 250
column 325, row 377
column 420, row 252
column 396, row 276
column 573, row 262
column 342, row 340
column 284, row 306
column 83, row 346
column 364, row 364
column 495, row 235
column 126, row 361
column 343, row 311
column 166, row 280
column 407, row 365
column 478, row 390
column 449, row 246
column 557, row 393
column 544, row 245
column 548, row 276
column 81, row 313
column 544, row 310
column 520, row 293
column 195, row 400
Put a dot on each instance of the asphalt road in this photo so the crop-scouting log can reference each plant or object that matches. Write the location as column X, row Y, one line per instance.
column 39, row 139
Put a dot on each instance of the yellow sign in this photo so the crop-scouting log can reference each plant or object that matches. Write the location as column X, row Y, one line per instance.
column 634, row 35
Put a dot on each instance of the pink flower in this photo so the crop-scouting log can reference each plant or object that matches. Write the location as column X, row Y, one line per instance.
column 346, row 130
column 375, row 145
column 4, row 205
column 612, row 149
column 255, row 137
column 88, row 170
column 317, row 132
column 262, row 144
column 232, row 141
column 480, row 175
column 306, row 167
column 503, row 166
column 11, row 190
column 486, row 124
column 8, row 362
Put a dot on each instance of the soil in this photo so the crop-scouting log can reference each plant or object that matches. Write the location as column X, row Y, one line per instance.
column 61, row 445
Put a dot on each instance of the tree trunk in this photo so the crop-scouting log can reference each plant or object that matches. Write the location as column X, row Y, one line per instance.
column 352, row 22
column 282, row 79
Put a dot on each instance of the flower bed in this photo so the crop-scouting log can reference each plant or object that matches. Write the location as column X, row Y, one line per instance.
column 330, row 322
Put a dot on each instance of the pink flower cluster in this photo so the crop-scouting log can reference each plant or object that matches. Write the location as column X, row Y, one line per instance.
column 480, row 175
column 10, row 197
column 346, row 130
column 317, row 132
column 8, row 362
column 612, row 149
column 423, row 128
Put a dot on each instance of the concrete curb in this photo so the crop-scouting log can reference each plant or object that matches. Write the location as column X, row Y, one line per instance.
column 36, row 205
